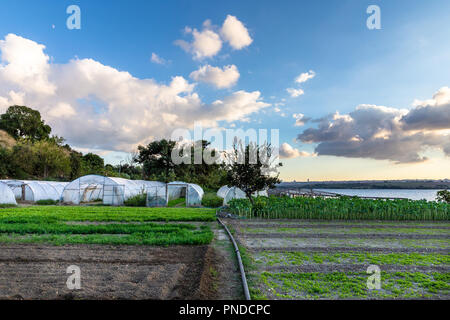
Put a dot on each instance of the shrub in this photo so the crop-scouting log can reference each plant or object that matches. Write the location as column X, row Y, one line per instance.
column 443, row 196
column 47, row 202
column 139, row 200
column 211, row 200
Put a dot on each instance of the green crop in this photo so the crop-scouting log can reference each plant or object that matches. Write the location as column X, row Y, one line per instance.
column 343, row 208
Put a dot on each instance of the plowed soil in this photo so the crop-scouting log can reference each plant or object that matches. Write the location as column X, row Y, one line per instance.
column 107, row 272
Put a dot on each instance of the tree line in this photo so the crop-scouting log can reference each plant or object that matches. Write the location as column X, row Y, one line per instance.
column 28, row 150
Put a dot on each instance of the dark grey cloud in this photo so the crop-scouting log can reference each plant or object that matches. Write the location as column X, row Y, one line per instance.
column 384, row 133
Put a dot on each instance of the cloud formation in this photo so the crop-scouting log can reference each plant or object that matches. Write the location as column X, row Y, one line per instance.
column 300, row 119
column 220, row 78
column 157, row 59
column 384, row 133
column 295, row 92
column 288, row 152
column 99, row 107
column 303, row 77
column 205, row 43
column 235, row 33
column 208, row 42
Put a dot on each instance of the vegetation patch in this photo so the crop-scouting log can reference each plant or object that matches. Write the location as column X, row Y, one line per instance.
column 100, row 213
column 342, row 208
column 300, row 258
column 354, row 285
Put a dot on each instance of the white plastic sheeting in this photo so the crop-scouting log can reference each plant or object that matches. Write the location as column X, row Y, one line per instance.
column 228, row 194
column 6, row 195
column 33, row 191
column 110, row 190
column 192, row 192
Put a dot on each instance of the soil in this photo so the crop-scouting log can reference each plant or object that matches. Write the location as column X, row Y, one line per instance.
column 29, row 271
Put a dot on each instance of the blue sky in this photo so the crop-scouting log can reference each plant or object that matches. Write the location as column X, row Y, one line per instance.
column 407, row 59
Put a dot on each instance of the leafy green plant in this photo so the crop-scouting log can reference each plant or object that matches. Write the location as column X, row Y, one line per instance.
column 211, row 200
column 443, row 196
column 46, row 202
column 139, row 200
column 343, row 208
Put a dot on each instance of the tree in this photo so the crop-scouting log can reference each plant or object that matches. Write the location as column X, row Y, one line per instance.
column 93, row 164
column 156, row 159
column 251, row 169
column 443, row 196
column 24, row 122
column 50, row 160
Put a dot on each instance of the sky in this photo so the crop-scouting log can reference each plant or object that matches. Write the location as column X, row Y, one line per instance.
column 350, row 103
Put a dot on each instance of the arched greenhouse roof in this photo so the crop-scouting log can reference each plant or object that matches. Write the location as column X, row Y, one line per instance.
column 36, row 190
column 6, row 194
column 229, row 193
column 111, row 190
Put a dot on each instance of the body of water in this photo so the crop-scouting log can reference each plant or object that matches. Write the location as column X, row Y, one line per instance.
column 413, row 194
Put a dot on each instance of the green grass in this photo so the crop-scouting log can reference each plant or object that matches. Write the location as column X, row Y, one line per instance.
column 354, row 285
column 92, row 213
column 180, row 202
column 300, row 258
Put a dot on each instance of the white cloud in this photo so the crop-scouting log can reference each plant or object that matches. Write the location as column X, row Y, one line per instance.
column 221, row 78
column 157, row 59
column 99, row 107
column 305, row 76
column 205, row 43
column 288, row 152
column 300, row 119
column 295, row 92
column 235, row 33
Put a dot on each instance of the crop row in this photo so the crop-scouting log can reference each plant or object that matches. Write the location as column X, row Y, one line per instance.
column 301, row 258
column 48, row 214
column 342, row 208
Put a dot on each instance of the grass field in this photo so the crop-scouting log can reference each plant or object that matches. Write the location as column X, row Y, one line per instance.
column 307, row 259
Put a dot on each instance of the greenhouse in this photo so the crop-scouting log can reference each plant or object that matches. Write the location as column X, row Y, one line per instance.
column 192, row 192
column 109, row 190
column 6, row 195
column 228, row 193
column 27, row 190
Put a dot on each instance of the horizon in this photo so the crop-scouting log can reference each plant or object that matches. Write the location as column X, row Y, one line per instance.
column 351, row 103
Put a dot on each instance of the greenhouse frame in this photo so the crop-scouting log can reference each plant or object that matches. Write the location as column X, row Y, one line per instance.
column 179, row 189
column 6, row 195
column 33, row 191
column 229, row 193
column 110, row 190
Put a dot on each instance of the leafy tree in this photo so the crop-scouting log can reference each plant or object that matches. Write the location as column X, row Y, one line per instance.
column 24, row 122
column 443, row 196
column 156, row 159
column 250, row 168
column 93, row 164
column 50, row 160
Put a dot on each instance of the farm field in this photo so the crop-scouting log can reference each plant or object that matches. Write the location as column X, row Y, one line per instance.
column 122, row 253
column 310, row 259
